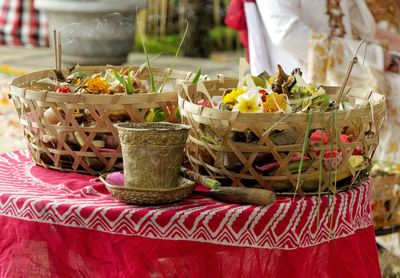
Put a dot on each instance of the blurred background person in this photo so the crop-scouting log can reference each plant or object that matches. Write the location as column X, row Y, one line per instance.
column 288, row 26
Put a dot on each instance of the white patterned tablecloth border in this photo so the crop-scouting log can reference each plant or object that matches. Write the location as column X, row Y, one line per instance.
column 284, row 226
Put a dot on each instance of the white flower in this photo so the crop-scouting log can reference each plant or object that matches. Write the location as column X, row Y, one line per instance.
column 249, row 102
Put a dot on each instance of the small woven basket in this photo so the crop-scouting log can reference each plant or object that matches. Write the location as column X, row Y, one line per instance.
column 52, row 145
column 386, row 201
column 214, row 149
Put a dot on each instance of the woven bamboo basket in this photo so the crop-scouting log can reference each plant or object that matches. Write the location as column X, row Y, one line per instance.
column 213, row 145
column 88, row 156
column 386, row 201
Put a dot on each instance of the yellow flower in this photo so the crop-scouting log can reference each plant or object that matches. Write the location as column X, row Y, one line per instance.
column 274, row 102
column 248, row 103
column 232, row 96
column 97, row 85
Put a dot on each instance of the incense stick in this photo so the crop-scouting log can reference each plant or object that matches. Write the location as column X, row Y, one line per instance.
column 55, row 48
column 353, row 61
column 57, row 55
column 59, row 52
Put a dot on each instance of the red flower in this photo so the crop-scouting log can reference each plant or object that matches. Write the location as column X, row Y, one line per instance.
column 61, row 90
column 344, row 138
column 263, row 94
column 318, row 134
column 327, row 154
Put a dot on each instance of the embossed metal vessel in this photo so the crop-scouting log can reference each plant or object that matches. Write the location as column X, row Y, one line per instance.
column 152, row 153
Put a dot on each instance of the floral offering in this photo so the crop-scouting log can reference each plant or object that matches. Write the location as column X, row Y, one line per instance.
column 281, row 133
column 280, row 93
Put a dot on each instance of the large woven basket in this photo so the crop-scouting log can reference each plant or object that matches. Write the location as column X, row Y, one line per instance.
column 60, row 154
column 386, row 201
column 213, row 141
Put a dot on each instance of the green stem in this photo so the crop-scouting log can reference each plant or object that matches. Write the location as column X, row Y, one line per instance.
column 276, row 123
column 330, row 162
column 303, row 151
column 197, row 76
column 321, row 155
column 175, row 58
column 142, row 38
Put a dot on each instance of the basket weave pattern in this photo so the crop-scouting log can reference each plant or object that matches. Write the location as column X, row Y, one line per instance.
column 85, row 157
column 213, row 141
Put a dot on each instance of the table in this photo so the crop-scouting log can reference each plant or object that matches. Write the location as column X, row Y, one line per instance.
column 59, row 224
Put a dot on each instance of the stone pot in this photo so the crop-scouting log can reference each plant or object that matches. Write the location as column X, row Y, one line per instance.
column 92, row 34
column 152, row 153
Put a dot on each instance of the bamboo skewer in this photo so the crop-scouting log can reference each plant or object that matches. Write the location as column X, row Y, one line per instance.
column 59, row 52
column 340, row 94
column 57, row 55
column 353, row 61
column 55, row 48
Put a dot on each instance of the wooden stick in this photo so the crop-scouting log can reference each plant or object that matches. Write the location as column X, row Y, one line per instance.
column 238, row 195
column 339, row 96
column 59, row 52
column 242, row 195
column 55, row 48
column 353, row 61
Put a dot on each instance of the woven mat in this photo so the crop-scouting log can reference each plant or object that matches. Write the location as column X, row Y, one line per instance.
column 11, row 137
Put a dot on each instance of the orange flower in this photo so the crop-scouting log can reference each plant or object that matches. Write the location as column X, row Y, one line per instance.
column 96, row 85
column 274, row 102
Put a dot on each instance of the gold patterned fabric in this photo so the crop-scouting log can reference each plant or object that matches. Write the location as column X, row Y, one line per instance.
column 327, row 64
column 386, row 14
column 329, row 57
column 335, row 14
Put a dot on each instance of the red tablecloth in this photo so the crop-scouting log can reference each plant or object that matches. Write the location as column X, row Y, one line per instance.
column 56, row 224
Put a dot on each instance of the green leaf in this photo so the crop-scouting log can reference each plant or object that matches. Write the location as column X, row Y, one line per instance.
column 129, row 86
column 197, row 76
column 120, row 78
column 258, row 81
column 174, row 60
column 321, row 155
column 159, row 116
column 335, row 138
column 142, row 66
column 178, row 115
column 142, row 38
column 276, row 123
column 303, row 151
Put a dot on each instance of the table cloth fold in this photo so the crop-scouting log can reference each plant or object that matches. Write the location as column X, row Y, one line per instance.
column 61, row 224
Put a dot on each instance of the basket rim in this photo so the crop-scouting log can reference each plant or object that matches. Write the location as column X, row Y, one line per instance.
column 46, row 96
column 213, row 113
column 16, row 90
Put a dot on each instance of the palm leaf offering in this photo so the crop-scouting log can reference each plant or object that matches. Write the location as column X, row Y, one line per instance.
column 281, row 133
column 279, row 93
column 69, row 125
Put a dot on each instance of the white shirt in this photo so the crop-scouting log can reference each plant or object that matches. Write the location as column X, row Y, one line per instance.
column 287, row 26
